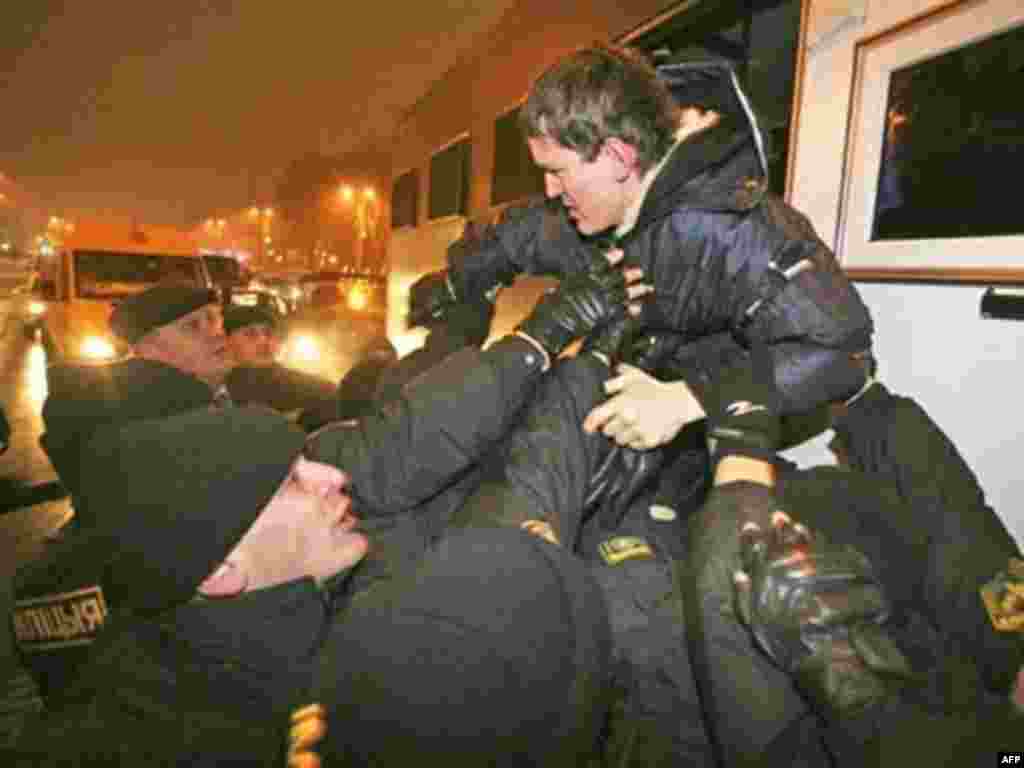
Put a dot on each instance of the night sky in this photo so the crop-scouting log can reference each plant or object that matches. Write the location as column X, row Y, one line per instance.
column 173, row 109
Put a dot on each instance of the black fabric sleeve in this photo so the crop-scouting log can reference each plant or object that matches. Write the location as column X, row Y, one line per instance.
column 407, row 449
column 894, row 441
column 748, row 701
column 533, row 238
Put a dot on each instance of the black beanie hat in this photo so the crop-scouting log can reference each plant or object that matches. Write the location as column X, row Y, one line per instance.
column 172, row 497
column 236, row 317
column 496, row 652
column 164, row 303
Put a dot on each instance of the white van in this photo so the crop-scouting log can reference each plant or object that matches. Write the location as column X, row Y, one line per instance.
column 97, row 265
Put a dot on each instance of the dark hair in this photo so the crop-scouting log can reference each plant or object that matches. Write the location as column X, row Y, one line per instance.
column 601, row 92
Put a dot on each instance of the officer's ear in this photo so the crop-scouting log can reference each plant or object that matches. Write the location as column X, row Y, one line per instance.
column 229, row 580
column 623, row 155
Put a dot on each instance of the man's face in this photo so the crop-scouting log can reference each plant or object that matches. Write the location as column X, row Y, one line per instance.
column 306, row 529
column 256, row 344
column 591, row 192
column 194, row 343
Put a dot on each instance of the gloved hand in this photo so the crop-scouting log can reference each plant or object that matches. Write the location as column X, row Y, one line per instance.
column 742, row 407
column 482, row 260
column 816, row 610
column 581, row 303
column 609, row 341
column 430, row 299
column 650, row 351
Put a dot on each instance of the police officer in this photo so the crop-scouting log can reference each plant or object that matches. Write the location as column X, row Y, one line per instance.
column 218, row 540
column 253, row 334
column 253, row 342
column 179, row 362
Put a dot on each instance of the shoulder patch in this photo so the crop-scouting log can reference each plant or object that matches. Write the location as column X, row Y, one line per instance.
column 1003, row 597
column 59, row 620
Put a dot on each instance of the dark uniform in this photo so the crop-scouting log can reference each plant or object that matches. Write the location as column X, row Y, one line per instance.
column 554, row 472
column 84, row 398
column 914, row 508
column 311, row 400
column 395, row 461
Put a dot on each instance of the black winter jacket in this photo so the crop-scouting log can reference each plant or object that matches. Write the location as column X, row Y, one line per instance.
column 209, row 679
column 209, row 684
column 723, row 254
column 892, row 440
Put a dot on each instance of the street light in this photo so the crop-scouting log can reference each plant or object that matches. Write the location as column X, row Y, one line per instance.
column 365, row 218
column 264, row 241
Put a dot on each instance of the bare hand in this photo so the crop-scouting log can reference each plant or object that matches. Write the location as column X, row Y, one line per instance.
column 643, row 413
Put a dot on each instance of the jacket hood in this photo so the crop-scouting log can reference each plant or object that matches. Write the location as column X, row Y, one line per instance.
column 721, row 168
column 715, row 170
column 712, row 82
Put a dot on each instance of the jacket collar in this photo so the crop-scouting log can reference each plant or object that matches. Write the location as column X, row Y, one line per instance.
column 633, row 212
column 706, row 170
column 263, row 630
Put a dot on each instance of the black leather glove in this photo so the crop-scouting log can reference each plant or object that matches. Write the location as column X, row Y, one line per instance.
column 481, row 261
column 650, row 351
column 816, row 610
column 430, row 299
column 743, row 410
column 612, row 339
column 581, row 303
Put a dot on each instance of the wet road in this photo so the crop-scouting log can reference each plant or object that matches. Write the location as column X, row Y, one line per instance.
column 31, row 503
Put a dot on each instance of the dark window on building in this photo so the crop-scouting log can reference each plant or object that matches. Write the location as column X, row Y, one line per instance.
column 449, row 180
column 405, row 195
column 515, row 174
column 760, row 38
column 954, row 127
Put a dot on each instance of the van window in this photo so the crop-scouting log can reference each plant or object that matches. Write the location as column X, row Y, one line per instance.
column 108, row 275
column 515, row 174
column 449, row 180
column 405, row 195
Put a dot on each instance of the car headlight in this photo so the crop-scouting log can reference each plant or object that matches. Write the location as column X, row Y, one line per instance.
column 36, row 308
column 304, row 347
column 97, row 348
column 357, row 297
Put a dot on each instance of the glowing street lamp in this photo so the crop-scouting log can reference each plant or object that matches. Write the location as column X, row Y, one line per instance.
column 365, row 213
column 262, row 217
